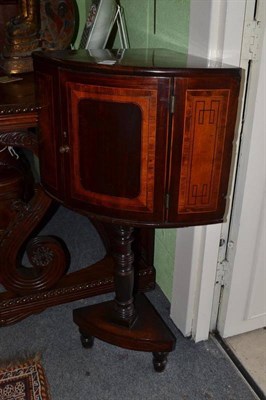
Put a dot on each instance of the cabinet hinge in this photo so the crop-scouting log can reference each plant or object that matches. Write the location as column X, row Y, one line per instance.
column 167, row 200
column 222, row 273
column 172, row 104
column 251, row 40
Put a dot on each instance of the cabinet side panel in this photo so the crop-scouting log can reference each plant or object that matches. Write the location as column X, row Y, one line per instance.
column 203, row 134
column 47, row 132
column 202, row 153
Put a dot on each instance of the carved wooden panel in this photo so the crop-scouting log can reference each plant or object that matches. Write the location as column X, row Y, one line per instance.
column 202, row 152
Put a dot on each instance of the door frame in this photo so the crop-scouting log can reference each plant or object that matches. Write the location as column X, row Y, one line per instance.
column 216, row 31
column 249, row 190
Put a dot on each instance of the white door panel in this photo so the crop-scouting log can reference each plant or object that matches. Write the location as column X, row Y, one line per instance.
column 255, row 307
column 243, row 303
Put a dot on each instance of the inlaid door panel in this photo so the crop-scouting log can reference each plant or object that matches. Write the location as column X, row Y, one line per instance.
column 202, row 143
column 112, row 136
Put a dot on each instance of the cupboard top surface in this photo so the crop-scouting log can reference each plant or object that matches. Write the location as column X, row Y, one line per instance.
column 137, row 61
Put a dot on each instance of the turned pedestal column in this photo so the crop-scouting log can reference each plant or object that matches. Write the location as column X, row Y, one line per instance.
column 128, row 321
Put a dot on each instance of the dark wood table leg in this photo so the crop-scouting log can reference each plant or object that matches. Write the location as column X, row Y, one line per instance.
column 127, row 321
column 124, row 309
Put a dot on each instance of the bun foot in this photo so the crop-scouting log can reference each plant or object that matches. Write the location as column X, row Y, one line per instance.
column 159, row 361
column 87, row 341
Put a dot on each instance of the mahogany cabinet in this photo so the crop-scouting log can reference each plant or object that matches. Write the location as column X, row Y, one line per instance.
column 146, row 140
column 135, row 138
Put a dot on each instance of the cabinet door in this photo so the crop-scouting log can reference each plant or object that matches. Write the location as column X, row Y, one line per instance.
column 203, row 134
column 117, row 130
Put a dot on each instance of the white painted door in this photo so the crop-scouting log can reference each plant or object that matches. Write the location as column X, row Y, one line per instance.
column 243, row 300
column 216, row 31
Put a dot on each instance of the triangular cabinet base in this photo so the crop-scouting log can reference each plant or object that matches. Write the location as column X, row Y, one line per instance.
column 148, row 333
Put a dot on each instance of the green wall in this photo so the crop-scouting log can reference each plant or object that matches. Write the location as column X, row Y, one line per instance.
column 83, row 6
column 170, row 31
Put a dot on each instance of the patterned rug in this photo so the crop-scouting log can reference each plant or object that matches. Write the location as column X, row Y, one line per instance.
column 24, row 381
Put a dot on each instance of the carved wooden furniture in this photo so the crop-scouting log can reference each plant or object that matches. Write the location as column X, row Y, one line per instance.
column 135, row 138
column 29, row 25
column 8, row 9
column 22, row 36
column 25, row 207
